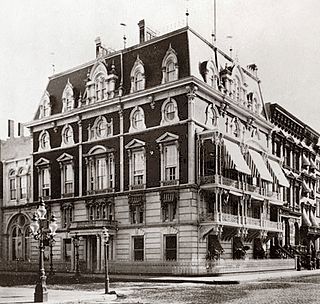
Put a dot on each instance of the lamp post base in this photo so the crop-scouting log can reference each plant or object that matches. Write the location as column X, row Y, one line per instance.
column 40, row 294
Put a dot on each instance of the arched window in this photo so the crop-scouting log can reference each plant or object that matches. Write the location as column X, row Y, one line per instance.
column 22, row 184
column 170, row 69
column 45, row 105
column 67, row 98
column 101, row 128
column 169, row 112
column 211, row 116
column 137, row 76
column 67, row 136
column 137, row 122
column 44, row 141
column 210, row 73
column 19, row 237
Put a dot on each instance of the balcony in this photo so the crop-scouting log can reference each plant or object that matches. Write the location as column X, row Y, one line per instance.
column 111, row 224
column 253, row 221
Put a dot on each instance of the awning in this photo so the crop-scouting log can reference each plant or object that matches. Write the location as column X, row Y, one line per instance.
column 313, row 220
column 236, row 161
column 260, row 165
column 305, row 161
column 275, row 167
column 205, row 229
column 256, row 198
column 313, row 165
column 235, row 193
column 305, row 187
column 305, row 219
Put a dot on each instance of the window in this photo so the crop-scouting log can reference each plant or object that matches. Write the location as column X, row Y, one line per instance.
column 67, row 250
column 211, row 116
column 44, row 141
column 136, row 213
column 137, row 120
column 169, row 111
column 67, row 136
column 170, row 66
column 137, row 164
column 44, row 179
column 19, row 237
column 169, row 158
column 138, row 248
column 101, row 128
column 23, row 184
column 137, row 76
column 45, row 105
column 170, row 247
column 169, row 211
column 67, row 211
column 100, row 209
column 100, row 170
column 67, row 174
column 12, row 185
column 67, row 98
column 98, row 84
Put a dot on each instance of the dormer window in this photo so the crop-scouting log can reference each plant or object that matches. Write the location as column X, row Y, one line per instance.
column 170, row 68
column 137, row 120
column 45, row 105
column 67, row 136
column 137, row 76
column 169, row 111
column 67, row 98
column 44, row 141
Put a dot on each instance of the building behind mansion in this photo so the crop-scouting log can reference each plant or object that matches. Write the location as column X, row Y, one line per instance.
column 168, row 144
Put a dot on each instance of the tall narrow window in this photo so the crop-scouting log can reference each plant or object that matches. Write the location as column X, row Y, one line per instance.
column 12, row 185
column 169, row 158
column 45, row 178
column 171, row 247
column 22, row 186
column 170, row 66
column 138, row 248
column 101, row 174
column 138, row 82
column 67, row 174
column 67, row 136
column 68, row 183
column 137, row 76
column 138, row 167
column 45, row 105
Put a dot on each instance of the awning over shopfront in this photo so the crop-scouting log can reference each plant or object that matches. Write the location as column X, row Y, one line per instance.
column 305, row 187
column 260, row 165
column 305, row 161
column 305, row 219
column 204, row 230
column 236, row 160
column 275, row 167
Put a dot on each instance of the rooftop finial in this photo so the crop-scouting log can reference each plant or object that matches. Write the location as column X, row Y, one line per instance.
column 187, row 13
column 124, row 34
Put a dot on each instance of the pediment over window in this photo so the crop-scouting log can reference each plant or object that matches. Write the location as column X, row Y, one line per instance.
column 97, row 70
column 135, row 143
column 42, row 162
column 65, row 157
column 167, row 137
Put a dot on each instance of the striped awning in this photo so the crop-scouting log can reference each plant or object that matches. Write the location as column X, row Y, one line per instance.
column 260, row 166
column 305, row 219
column 235, row 158
column 305, row 187
column 275, row 167
column 305, row 161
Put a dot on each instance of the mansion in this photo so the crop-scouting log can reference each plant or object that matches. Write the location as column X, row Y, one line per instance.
column 169, row 145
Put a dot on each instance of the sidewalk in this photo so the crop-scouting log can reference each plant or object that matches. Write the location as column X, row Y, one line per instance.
column 25, row 294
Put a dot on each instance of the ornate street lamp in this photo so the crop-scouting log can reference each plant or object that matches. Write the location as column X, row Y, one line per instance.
column 51, row 244
column 41, row 233
column 76, row 243
column 106, row 271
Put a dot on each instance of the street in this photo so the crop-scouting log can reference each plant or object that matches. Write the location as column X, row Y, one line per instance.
column 300, row 290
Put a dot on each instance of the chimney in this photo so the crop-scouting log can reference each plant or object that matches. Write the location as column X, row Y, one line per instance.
column 142, row 27
column 98, row 46
column 20, row 129
column 10, row 128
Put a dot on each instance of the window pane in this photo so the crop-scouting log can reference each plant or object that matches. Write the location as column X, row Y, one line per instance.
column 171, row 247
column 138, row 248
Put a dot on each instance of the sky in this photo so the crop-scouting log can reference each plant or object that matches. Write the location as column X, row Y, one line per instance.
column 282, row 37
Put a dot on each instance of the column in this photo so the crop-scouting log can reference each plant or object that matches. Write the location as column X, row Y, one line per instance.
column 98, row 267
column 121, row 152
column 191, row 94
column 80, row 156
column 73, row 256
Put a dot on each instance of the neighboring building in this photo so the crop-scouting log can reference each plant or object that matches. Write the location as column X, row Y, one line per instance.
column 167, row 144
column 297, row 145
column 16, row 209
